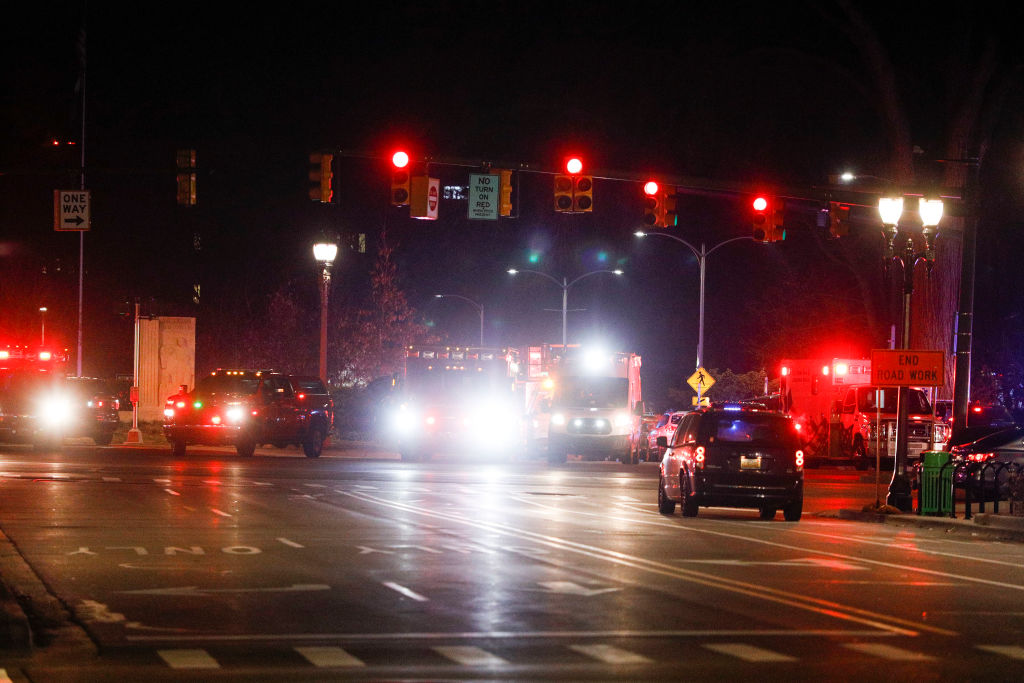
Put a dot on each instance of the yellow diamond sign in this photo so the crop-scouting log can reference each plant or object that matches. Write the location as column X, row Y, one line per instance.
column 700, row 381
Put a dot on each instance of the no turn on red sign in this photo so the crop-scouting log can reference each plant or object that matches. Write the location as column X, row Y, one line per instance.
column 70, row 210
column 907, row 368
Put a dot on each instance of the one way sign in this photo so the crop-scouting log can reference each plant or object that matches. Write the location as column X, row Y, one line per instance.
column 70, row 210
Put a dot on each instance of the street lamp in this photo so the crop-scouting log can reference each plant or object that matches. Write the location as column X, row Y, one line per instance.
column 565, row 284
column 701, row 255
column 324, row 253
column 479, row 307
column 42, row 325
column 890, row 210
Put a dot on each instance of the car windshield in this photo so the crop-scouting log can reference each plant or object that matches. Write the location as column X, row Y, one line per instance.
column 592, row 392
column 228, row 384
column 760, row 429
column 866, row 401
column 311, row 385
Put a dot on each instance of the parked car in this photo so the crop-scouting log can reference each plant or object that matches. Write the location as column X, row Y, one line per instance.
column 982, row 419
column 246, row 408
column 94, row 409
column 665, row 426
column 733, row 456
column 999, row 456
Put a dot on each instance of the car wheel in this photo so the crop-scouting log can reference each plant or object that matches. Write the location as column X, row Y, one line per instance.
column 860, row 454
column 177, row 448
column 313, row 444
column 689, row 503
column 103, row 439
column 768, row 513
column 245, row 448
column 666, row 505
column 793, row 510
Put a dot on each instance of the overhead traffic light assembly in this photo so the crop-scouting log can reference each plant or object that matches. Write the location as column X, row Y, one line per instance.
column 400, row 179
column 574, row 193
column 767, row 219
column 321, row 174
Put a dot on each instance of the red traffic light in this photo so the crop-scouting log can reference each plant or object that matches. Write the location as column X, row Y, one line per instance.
column 760, row 204
column 573, row 165
column 400, row 159
column 651, row 188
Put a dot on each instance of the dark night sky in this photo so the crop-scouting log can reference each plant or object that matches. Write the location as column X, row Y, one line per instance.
column 774, row 93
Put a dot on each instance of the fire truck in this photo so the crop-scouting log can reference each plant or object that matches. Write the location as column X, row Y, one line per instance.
column 582, row 400
column 842, row 417
column 457, row 398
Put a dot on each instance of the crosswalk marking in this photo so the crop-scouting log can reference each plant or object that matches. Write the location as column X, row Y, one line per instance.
column 609, row 654
column 188, row 659
column 889, row 652
column 468, row 655
column 328, row 656
column 749, row 653
column 1011, row 651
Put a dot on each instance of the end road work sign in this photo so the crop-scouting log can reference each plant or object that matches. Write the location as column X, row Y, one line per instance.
column 907, row 368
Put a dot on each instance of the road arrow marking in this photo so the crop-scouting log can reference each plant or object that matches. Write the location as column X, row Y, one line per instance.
column 196, row 590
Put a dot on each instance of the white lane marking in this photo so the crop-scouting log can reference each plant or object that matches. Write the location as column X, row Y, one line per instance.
column 364, row 486
column 468, row 655
column 212, row 481
column 316, row 486
column 798, row 600
column 887, row 544
column 889, row 652
column 172, row 492
column 570, row 588
column 162, row 481
column 188, row 659
column 405, row 591
column 262, row 483
column 328, row 656
column 749, row 653
column 1011, row 651
column 609, row 654
column 291, row 544
column 111, row 479
column 629, row 498
column 220, row 512
column 511, row 635
column 892, row 565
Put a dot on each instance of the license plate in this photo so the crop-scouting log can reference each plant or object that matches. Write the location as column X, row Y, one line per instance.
column 753, row 463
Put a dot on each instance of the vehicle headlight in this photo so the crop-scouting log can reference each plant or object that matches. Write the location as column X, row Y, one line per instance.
column 55, row 411
column 558, row 419
column 169, row 413
column 622, row 420
column 235, row 414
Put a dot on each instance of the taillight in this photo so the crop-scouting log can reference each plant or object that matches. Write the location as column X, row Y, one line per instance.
column 698, row 457
column 980, row 457
column 799, row 460
column 302, row 396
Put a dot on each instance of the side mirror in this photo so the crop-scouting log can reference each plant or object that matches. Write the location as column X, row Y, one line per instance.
column 662, row 442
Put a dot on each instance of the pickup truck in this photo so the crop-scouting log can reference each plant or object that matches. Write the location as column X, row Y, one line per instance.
column 246, row 408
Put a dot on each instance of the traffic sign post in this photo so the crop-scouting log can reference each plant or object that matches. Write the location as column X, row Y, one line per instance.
column 71, row 210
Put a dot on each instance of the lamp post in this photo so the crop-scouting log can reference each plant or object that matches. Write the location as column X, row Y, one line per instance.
column 890, row 209
column 565, row 284
column 324, row 253
column 479, row 307
column 42, row 325
column 701, row 255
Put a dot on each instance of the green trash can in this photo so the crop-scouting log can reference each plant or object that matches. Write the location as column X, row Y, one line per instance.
column 936, row 484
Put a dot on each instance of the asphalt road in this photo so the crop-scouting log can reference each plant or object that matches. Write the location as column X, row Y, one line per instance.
column 358, row 565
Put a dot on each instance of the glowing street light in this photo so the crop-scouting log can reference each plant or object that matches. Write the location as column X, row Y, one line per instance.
column 324, row 253
column 565, row 284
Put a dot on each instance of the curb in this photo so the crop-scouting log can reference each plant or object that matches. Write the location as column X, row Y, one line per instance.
column 993, row 527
